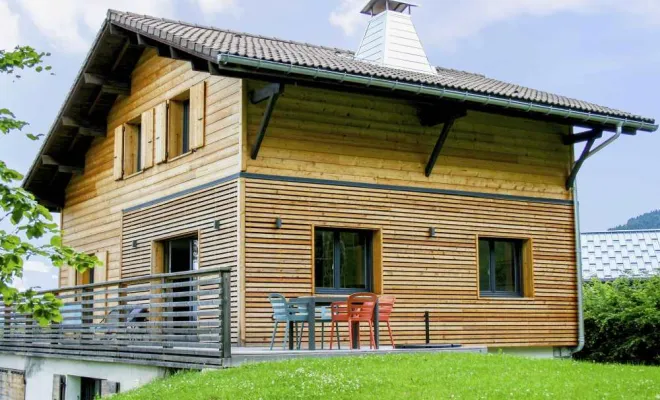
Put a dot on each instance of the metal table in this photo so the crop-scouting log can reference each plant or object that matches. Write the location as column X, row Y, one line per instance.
column 312, row 302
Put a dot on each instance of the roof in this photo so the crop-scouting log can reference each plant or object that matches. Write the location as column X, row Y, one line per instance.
column 609, row 255
column 124, row 36
column 212, row 42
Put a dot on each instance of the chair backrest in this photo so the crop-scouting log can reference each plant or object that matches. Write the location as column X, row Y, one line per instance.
column 279, row 304
column 361, row 306
column 298, row 309
column 385, row 306
column 323, row 313
column 338, row 311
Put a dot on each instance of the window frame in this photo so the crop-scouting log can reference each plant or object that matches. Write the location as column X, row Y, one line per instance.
column 370, row 273
column 521, row 268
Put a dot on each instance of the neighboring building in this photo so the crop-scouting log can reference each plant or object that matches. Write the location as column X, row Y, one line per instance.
column 609, row 255
column 186, row 153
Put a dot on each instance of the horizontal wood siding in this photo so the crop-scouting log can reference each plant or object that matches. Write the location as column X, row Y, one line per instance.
column 92, row 214
column 436, row 274
column 325, row 134
column 193, row 214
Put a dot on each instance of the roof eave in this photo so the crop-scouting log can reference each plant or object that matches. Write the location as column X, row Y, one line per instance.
column 605, row 120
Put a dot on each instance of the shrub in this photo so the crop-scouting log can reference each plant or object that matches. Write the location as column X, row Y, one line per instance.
column 622, row 321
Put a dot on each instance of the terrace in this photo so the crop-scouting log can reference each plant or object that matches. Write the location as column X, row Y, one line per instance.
column 175, row 320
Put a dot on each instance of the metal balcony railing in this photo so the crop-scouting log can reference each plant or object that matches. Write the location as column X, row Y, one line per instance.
column 179, row 320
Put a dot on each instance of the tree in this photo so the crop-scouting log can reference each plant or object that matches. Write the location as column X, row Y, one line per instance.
column 30, row 220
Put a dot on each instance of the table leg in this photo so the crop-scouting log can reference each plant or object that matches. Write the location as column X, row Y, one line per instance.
column 291, row 336
column 356, row 335
column 311, row 321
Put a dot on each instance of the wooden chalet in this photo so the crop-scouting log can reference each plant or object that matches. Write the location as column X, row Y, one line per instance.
column 230, row 166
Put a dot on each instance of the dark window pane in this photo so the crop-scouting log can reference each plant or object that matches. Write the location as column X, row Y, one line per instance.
column 138, row 162
column 324, row 259
column 353, row 258
column 484, row 265
column 505, row 275
column 185, row 132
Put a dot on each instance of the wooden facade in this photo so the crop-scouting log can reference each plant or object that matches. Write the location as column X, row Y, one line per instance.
column 341, row 160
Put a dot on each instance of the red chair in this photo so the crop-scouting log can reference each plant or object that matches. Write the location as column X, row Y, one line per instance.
column 385, row 308
column 360, row 308
column 338, row 313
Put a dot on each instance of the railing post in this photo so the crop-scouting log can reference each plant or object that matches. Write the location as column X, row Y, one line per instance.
column 225, row 314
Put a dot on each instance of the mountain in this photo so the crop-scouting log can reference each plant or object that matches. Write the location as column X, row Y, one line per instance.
column 650, row 220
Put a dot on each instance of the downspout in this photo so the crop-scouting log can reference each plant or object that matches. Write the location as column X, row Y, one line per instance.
column 578, row 244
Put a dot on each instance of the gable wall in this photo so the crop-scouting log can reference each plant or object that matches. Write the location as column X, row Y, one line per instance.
column 92, row 215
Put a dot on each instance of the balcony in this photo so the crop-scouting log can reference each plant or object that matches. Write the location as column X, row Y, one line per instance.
column 179, row 320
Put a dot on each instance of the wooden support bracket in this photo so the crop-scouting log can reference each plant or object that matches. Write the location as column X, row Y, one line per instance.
column 271, row 92
column 446, row 127
column 578, row 164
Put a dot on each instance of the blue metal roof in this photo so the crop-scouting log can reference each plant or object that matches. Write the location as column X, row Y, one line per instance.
column 609, row 255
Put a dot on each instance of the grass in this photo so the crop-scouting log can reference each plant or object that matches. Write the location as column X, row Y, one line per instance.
column 415, row 376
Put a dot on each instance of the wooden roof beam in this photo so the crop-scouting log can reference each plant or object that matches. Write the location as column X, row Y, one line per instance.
column 61, row 167
column 108, row 85
column 433, row 116
column 85, row 128
column 583, row 136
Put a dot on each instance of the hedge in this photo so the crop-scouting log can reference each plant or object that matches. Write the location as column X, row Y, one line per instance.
column 622, row 321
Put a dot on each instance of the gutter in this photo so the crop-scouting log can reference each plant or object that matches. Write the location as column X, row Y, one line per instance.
column 460, row 95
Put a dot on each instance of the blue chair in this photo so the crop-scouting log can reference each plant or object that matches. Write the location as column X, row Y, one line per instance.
column 288, row 311
column 323, row 315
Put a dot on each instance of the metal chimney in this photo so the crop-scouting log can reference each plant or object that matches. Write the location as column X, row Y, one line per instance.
column 391, row 39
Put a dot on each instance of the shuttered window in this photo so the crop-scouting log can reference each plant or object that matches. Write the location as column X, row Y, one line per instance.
column 186, row 120
column 170, row 129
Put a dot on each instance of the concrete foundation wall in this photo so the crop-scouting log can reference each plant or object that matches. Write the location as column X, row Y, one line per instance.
column 534, row 352
column 39, row 374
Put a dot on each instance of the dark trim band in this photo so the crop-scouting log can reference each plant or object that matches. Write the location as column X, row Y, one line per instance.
column 293, row 179
column 182, row 193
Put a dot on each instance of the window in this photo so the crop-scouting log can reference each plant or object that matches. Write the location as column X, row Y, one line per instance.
column 501, row 267
column 178, row 130
column 342, row 260
column 181, row 254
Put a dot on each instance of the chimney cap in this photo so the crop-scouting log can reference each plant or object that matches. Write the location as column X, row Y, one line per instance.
column 375, row 7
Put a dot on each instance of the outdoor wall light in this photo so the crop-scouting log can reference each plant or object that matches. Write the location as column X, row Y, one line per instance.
column 278, row 222
column 432, row 232
column 217, row 224
column 135, row 244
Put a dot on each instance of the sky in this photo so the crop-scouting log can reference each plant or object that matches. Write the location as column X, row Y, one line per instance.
column 603, row 51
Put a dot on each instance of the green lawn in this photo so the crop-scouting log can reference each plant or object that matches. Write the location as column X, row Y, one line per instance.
column 414, row 376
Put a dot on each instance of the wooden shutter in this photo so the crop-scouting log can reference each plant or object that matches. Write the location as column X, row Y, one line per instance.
column 119, row 152
column 147, row 139
column 197, row 112
column 100, row 275
column 101, row 271
column 160, row 132
column 71, row 275
column 130, row 149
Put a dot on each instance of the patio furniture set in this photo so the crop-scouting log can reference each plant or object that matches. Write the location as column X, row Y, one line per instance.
column 304, row 312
